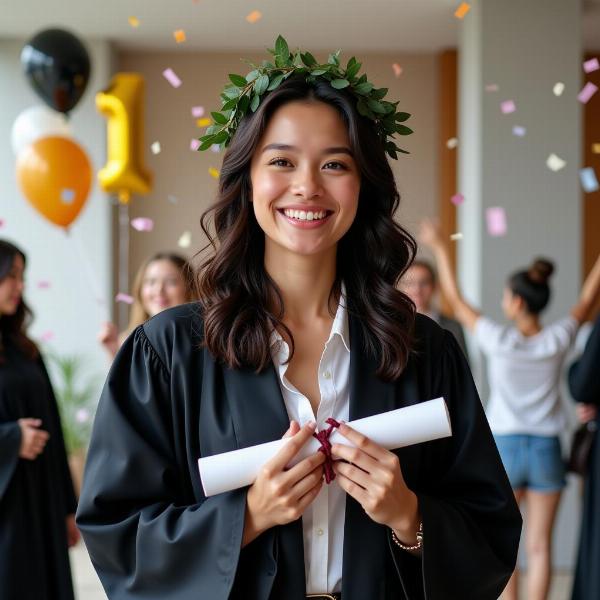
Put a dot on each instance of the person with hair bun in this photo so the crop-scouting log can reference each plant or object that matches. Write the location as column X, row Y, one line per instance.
column 525, row 410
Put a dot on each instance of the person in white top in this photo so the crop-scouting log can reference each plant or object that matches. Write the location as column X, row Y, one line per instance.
column 524, row 410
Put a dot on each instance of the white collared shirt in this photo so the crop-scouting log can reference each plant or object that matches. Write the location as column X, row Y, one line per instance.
column 323, row 520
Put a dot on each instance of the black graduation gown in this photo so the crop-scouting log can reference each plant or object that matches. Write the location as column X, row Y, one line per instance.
column 35, row 496
column 584, row 384
column 152, row 534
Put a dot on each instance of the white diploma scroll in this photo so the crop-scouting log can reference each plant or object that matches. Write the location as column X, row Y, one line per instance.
column 394, row 429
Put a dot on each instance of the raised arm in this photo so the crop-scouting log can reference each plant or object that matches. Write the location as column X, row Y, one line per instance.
column 429, row 235
column 589, row 294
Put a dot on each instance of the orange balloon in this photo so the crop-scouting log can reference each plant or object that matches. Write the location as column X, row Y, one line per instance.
column 55, row 175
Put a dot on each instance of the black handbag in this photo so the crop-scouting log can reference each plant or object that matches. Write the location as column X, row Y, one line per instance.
column 583, row 438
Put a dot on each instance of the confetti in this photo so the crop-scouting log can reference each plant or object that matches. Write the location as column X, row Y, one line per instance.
column 155, row 147
column 205, row 122
column 125, row 298
column 507, row 107
column 134, row 21
column 47, row 336
column 452, row 143
column 559, row 88
column 491, row 87
column 142, row 224
column 197, row 111
column 215, row 148
column 587, row 92
column 43, row 285
column 214, row 173
column 254, row 16
column 462, row 10
column 171, row 77
column 397, row 69
column 589, row 66
column 555, row 163
column 595, row 149
column 589, row 181
column 519, row 131
column 67, row 195
column 82, row 415
column 457, row 199
column 185, row 240
column 179, row 36
column 1, row 223
column 456, row 236
column 194, row 145
column 496, row 221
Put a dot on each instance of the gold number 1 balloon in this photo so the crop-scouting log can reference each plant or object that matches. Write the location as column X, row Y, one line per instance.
column 123, row 106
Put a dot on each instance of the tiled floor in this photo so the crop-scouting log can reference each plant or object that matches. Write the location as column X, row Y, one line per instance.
column 88, row 587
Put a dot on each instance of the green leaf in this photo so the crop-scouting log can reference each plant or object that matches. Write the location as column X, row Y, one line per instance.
column 352, row 70
column 243, row 104
column 275, row 82
column 334, row 59
column 254, row 103
column 379, row 94
column 261, row 84
column 318, row 72
column 219, row 118
column 281, row 47
column 231, row 102
column 207, row 143
column 363, row 88
column 308, row 59
column 212, row 129
column 402, row 116
column 362, row 107
column 238, row 80
column 252, row 75
column 339, row 84
column 232, row 92
column 376, row 106
column 220, row 137
column 403, row 130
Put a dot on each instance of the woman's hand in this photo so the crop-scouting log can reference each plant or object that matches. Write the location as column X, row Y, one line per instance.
column 586, row 412
column 33, row 439
column 373, row 477
column 280, row 496
column 429, row 234
column 108, row 336
column 73, row 534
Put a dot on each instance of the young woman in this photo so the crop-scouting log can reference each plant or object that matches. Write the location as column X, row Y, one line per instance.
column 524, row 411
column 37, row 502
column 163, row 281
column 299, row 320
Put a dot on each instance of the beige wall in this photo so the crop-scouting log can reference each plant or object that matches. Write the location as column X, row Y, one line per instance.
column 184, row 174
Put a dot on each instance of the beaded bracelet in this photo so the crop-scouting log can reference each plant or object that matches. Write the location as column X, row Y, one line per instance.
column 417, row 546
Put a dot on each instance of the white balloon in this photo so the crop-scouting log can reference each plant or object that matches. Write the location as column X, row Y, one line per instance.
column 37, row 122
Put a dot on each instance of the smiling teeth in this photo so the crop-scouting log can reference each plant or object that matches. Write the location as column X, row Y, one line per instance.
column 305, row 216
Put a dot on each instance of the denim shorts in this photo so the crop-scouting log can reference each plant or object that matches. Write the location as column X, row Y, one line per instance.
column 533, row 462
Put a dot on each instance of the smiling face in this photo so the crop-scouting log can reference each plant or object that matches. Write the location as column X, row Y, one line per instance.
column 419, row 286
column 305, row 181
column 11, row 287
column 163, row 286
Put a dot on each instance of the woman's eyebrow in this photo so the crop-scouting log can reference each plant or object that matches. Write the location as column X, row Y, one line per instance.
column 333, row 150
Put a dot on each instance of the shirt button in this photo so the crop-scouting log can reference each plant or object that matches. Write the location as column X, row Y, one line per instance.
column 327, row 374
column 320, row 531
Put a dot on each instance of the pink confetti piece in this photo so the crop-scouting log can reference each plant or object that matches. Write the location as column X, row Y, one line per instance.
column 457, row 199
column 47, row 336
column 397, row 69
column 1, row 223
column 125, row 298
column 43, row 285
column 197, row 111
column 507, row 107
column 587, row 92
column 194, row 145
column 496, row 221
column 171, row 77
column 491, row 87
column 519, row 131
column 589, row 66
column 67, row 195
column 142, row 224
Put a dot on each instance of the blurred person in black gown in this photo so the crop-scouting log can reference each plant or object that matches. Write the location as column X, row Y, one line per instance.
column 584, row 385
column 37, row 501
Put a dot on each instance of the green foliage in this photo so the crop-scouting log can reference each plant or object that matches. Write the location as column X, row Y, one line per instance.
column 243, row 94
column 76, row 398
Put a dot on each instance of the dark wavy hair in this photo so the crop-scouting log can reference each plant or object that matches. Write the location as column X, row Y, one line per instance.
column 13, row 328
column 532, row 285
column 242, row 305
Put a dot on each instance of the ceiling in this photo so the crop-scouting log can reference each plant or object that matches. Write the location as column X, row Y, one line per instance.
column 370, row 25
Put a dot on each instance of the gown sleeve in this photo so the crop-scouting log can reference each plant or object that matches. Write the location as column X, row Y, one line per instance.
column 471, row 522
column 10, row 443
column 147, row 536
column 584, row 383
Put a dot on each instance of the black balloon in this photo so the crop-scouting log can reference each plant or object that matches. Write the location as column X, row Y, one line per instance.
column 57, row 65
